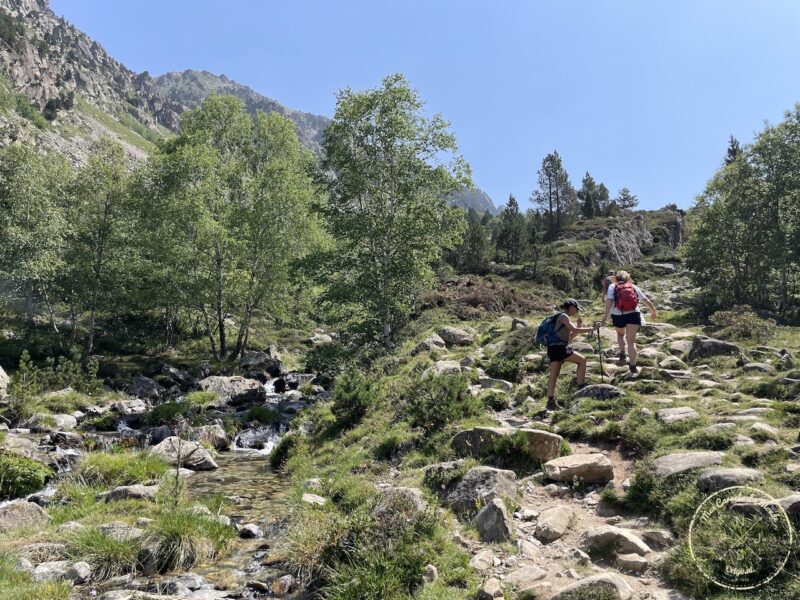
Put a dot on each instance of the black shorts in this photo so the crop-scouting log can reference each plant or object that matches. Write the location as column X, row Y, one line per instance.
column 559, row 352
column 631, row 318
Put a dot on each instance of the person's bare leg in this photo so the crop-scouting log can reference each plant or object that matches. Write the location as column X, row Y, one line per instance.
column 555, row 371
column 579, row 360
column 621, row 345
column 630, row 336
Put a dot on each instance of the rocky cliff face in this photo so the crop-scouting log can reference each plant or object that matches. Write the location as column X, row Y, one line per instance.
column 191, row 87
column 473, row 198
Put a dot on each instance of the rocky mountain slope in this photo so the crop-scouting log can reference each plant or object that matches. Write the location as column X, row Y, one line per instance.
column 474, row 198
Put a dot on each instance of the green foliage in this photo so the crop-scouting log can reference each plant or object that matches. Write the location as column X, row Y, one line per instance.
column 741, row 322
column 475, row 251
column 385, row 207
column 436, row 402
column 745, row 227
column 108, row 555
column 17, row 584
column 353, row 395
column 495, row 399
column 509, row 369
column 283, row 450
column 20, row 476
column 555, row 194
column 262, row 414
column 102, row 468
column 180, row 539
column 511, row 233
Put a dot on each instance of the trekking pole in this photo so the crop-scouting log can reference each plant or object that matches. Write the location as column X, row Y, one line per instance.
column 600, row 352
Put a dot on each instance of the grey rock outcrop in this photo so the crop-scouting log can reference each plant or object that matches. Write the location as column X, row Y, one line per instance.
column 234, row 391
column 478, row 487
column 184, row 453
column 591, row 468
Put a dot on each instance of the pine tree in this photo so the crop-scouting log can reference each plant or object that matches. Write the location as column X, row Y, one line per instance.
column 555, row 194
column 511, row 233
column 473, row 255
column 589, row 196
column 625, row 200
column 734, row 150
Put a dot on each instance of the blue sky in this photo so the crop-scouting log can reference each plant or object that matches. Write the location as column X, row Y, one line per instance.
column 642, row 94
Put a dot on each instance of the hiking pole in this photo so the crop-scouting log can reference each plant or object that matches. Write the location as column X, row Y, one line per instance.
column 600, row 352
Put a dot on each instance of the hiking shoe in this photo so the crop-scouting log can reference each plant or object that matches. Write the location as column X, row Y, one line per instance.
column 633, row 369
column 552, row 405
column 623, row 359
column 582, row 385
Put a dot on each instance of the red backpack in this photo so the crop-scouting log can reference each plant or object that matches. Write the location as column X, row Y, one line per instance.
column 625, row 297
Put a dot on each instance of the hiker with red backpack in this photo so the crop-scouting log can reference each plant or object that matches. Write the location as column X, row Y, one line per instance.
column 556, row 332
column 622, row 303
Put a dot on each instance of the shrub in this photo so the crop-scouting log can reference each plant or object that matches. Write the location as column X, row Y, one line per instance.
column 495, row 399
column 200, row 399
column 353, row 395
column 180, row 539
column 168, row 412
column 20, row 476
column 106, row 469
column 262, row 414
column 282, row 450
column 31, row 381
column 108, row 555
column 741, row 322
column 434, row 403
column 509, row 369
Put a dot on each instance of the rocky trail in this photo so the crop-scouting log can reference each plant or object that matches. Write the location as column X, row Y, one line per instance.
column 552, row 526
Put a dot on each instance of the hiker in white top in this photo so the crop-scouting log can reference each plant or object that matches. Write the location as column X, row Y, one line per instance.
column 622, row 303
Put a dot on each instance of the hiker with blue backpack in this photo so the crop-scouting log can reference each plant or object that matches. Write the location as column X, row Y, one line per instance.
column 556, row 332
column 622, row 303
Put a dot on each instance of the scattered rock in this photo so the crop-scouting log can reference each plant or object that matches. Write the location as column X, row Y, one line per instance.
column 706, row 347
column 4, row 381
column 764, row 431
column 608, row 540
column 478, row 487
column 712, row 480
column 759, row 368
column 442, row 367
column 131, row 492
column 482, row 441
column 672, row 362
column 494, row 523
column 452, row 336
column 212, row 435
column 46, row 423
column 632, row 562
column 79, row 573
column 487, row 383
column 525, row 578
column 430, row 574
column 145, row 388
column 606, row 585
column 679, row 413
column 234, row 391
column 398, row 503
column 431, row 342
column 251, row 531
column 658, row 538
column 184, row 453
column 680, row 462
column 553, row 523
column 50, row 571
column 314, row 499
column 591, row 468
column 268, row 362
column 21, row 513
column 599, row 391
column 490, row 590
column 483, row 560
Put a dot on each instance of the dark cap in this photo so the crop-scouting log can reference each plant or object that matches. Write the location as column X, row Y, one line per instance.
column 571, row 302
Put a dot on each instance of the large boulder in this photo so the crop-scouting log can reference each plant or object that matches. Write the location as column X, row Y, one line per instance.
column 442, row 367
column 234, row 391
column 21, row 513
column 706, row 347
column 184, row 453
column 45, row 423
column 4, row 381
column 169, row 374
column 268, row 362
column 679, row 413
column 591, row 468
column 145, row 388
column 599, row 391
column 212, row 435
column 478, row 487
column 607, row 540
column 493, row 522
column 712, row 480
column 539, row 445
column 608, row 586
column 432, row 342
column 130, row 492
column 680, row 462
column 553, row 523
column 453, row 336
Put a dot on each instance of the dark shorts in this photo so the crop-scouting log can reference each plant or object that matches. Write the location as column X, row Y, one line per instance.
column 631, row 318
column 559, row 352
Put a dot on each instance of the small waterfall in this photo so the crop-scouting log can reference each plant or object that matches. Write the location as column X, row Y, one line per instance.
column 261, row 439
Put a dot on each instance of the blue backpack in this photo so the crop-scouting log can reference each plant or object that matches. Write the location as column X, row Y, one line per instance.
column 546, row 334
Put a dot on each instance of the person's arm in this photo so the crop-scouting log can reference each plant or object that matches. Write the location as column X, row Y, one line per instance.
column 573, row 331
column 649, row 305
column 609, row 305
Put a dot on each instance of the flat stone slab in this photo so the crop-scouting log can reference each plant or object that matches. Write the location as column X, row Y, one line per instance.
column 481, row 441
column 605, row 585
column 21, row 513
column 599, row 391
column 608, row 540
column 679, row 413
column 680, row 462
column 525, row 578
column 712, row 480
column 591, row 468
